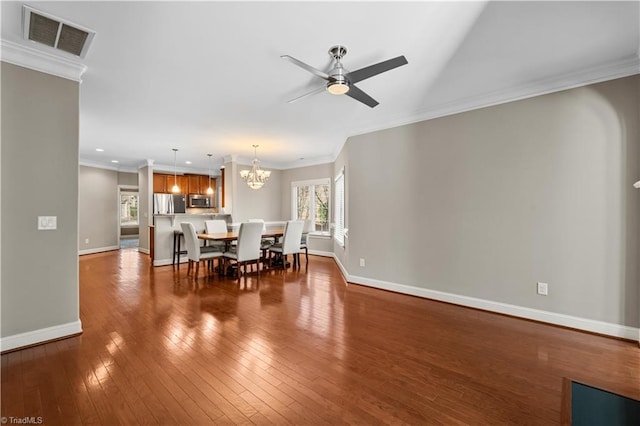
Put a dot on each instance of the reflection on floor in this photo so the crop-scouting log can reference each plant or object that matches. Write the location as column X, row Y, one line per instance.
column 128, row 242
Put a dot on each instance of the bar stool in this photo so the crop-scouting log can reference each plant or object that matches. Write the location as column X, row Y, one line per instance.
column 177, row 237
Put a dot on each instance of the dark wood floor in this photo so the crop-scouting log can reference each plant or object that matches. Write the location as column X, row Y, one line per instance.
column 298, row 347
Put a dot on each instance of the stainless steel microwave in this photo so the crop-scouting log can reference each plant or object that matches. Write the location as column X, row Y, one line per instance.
column 198, row 200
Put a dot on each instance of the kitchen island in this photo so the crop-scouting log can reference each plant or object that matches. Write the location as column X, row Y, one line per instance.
column 166, row 224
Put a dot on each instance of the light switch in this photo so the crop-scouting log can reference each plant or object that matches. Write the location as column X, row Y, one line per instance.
column 47, row 222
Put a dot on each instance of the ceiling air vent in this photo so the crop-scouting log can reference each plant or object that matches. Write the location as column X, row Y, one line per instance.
column 54, row 32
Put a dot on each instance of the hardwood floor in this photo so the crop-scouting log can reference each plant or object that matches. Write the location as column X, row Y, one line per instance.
column 298, row 347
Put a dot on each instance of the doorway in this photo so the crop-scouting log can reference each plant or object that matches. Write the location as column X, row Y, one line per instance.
column 129, row 225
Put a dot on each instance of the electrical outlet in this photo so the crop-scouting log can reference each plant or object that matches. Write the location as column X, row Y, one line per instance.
column 362, row 262
column 86, row 241
column 543, row 289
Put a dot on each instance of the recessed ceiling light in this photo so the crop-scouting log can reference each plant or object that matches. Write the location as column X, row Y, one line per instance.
column 114, row 161
column 99, row 149
column 187, row 162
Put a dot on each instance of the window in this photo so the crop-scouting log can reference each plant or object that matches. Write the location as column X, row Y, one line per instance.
column 128, row 208
column 310, row 201
column 339, row 208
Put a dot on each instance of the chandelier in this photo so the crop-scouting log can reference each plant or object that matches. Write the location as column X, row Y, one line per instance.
column 256, row 177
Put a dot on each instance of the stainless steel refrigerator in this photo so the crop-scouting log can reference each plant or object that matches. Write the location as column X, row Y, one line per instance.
column 169, row 203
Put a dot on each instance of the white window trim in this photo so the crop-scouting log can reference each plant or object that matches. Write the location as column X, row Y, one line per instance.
column 339, row 237
column 311, row 182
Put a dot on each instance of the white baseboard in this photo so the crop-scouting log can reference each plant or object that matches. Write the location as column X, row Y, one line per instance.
column 165, row 262
column 144, row 250
column 320, row 253
column 585, row 324
column 97, row 250
column 345, row 274
column 40, row 336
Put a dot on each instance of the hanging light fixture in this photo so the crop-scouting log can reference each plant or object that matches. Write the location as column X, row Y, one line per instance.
column 175, row 189
column 256, row 177
column 209, row 189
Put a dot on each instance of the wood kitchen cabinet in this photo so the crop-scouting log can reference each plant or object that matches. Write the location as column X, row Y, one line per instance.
column 198, row 184
column 204, row 184
column 159, row 183
column 162, row 183
column 181, row 181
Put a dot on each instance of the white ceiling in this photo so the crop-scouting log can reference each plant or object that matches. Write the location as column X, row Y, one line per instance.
column 207, row 77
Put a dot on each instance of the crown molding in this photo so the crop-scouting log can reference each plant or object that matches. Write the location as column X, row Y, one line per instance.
column 306, row 162
column 623, row 68
column 116, row 168
column 24, row 56
column 165, row 168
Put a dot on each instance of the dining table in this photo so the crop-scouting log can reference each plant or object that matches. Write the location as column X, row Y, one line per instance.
column 230, row 236
column 233, row 235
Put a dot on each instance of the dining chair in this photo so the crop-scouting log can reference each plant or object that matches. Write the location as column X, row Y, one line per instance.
column 216, row 226
column 290, row 242
column 194, row 252
column 248, row 248
column 265, row 243
column 308, row 227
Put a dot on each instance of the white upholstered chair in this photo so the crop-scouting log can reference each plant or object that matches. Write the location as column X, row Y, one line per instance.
column 265, row 243
column 248, row 248
column 308, row 227
column 216, row 227
column 290, row 242
column 194, row 252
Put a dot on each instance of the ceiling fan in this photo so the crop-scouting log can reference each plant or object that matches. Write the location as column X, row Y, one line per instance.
column 341, row 81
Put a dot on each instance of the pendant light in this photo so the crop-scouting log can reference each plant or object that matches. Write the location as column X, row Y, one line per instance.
column 209, row 189
column 175, row 189
column 256, row 177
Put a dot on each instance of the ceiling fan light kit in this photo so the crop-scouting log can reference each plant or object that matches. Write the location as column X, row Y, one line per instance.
column 341, row 82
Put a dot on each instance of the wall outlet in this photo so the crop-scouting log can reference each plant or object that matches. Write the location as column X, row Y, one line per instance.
column 543, row 289
column 86, row 241
column 362, row 262
column 47, row 222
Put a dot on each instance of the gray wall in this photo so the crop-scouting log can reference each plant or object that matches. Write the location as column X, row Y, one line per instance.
column 98, row 209
column 256, row 204
column 39, row 156
column 128, row 179
column 486, row 203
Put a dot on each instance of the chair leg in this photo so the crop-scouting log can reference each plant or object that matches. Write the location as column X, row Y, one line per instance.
column 188, row 266
column 197, row 268
column 306, row 255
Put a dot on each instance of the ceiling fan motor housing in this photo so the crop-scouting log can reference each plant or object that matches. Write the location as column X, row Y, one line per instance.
column 338, row 83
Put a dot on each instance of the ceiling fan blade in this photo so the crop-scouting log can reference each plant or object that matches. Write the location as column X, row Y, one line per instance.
column 313, row 92
column 309, row 68
column 359, row 95
column 375, row 69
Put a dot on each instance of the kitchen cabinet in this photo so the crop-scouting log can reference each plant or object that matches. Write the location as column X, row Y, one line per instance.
column 181, row 181
column 198, row 184
column 159, row 183
column 204, row 184
column 162, row 183
column 189, row 184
